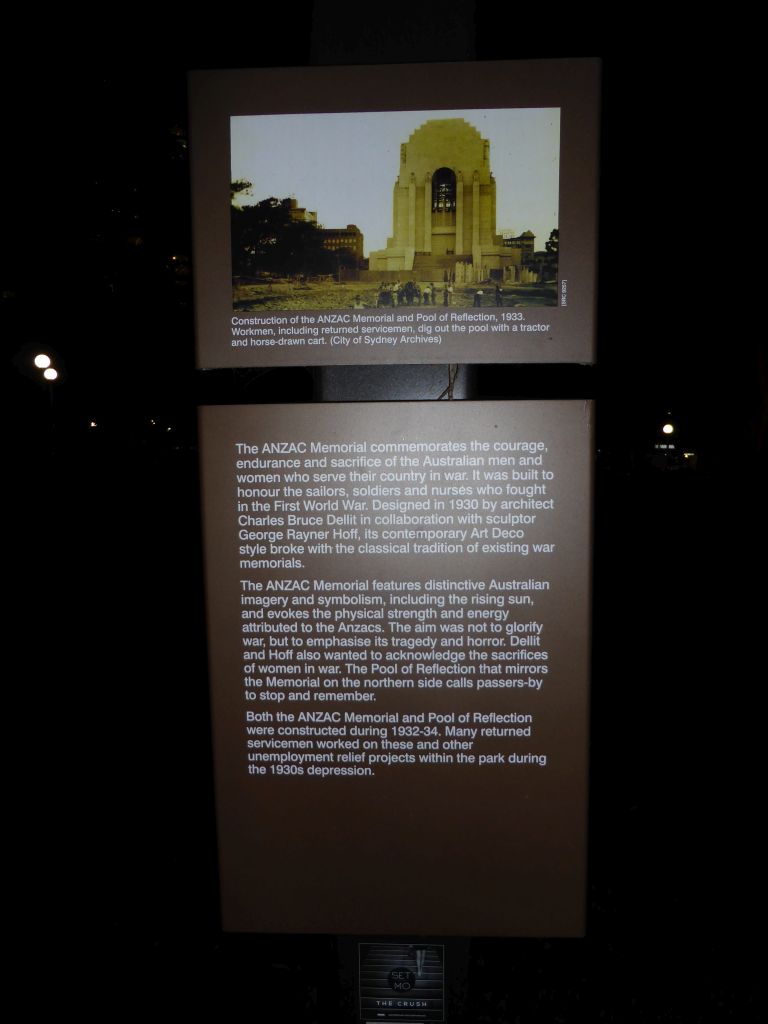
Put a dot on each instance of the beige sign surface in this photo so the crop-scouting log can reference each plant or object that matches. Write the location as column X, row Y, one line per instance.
column 426, row 213
column 398, row 610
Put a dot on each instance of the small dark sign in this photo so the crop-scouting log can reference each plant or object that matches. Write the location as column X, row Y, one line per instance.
column 401, row 982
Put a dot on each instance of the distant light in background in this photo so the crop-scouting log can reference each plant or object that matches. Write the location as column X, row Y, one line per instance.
column 40, row 366
column 668, row 428
column 93, row 423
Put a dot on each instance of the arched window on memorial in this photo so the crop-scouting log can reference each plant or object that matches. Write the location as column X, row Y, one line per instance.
column 444, row 191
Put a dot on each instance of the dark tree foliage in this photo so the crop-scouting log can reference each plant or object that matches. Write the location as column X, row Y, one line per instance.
column 265, row 239
column 548, row 260
column 236, row 187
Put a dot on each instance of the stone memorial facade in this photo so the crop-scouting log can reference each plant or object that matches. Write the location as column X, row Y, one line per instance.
column 444, row 206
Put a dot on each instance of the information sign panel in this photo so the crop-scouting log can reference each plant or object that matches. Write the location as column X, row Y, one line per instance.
column 398, row 608
column 404, row 214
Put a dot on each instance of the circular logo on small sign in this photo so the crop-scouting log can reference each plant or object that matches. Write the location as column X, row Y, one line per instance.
column 401, row 979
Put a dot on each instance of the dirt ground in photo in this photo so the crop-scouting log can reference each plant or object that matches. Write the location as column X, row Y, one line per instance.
column 288, row 295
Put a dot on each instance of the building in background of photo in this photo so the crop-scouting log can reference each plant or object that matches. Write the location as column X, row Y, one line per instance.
column 346, row 242
column 299, row 214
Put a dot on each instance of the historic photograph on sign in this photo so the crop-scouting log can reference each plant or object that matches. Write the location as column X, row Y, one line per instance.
column 395, row 214
column 380, row 210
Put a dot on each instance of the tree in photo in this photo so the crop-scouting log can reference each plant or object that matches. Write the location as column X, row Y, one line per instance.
column 552, row 249
column 266, row 239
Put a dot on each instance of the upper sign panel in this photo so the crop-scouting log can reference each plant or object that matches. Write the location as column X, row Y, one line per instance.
column 403, row 214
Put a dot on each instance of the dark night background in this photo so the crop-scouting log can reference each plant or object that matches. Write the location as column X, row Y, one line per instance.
column 113, row 836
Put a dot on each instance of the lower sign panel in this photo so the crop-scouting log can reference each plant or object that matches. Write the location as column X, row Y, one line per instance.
column 398, row 610
column 401, row 982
